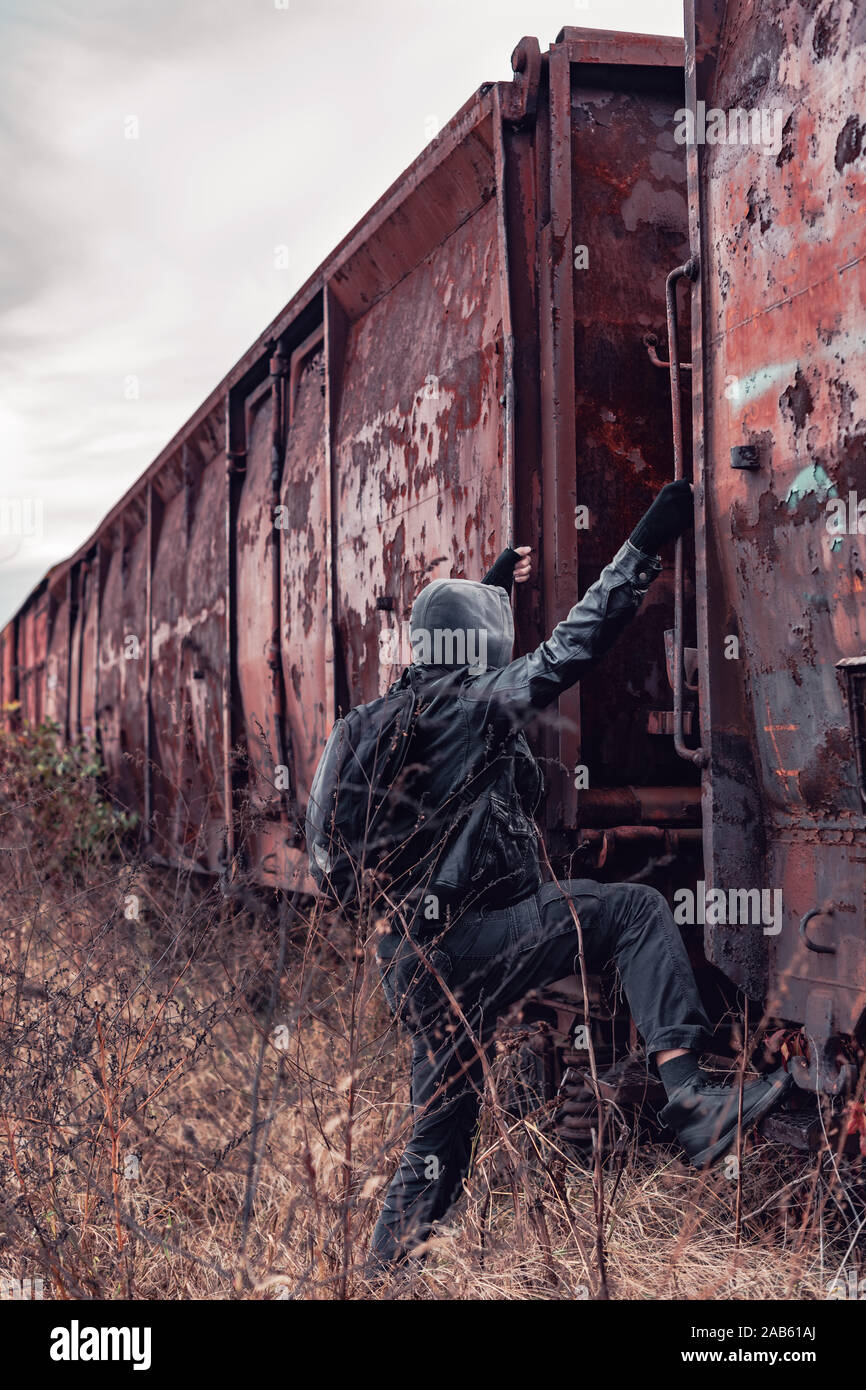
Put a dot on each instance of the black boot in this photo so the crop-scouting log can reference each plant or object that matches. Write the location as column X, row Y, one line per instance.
column 703, row 1115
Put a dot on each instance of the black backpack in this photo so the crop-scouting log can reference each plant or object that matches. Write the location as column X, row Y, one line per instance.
column 358, row 809
column 366, row 812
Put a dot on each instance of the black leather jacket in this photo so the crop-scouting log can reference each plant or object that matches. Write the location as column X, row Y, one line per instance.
column 485, row 848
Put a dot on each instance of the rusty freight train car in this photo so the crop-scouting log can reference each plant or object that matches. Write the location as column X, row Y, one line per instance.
column 484, row 359
column 778, row 233
column 421, row 401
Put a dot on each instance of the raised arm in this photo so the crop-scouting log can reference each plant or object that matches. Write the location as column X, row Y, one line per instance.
column 532, row 682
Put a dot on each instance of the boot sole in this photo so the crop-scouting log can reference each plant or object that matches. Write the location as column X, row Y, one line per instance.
column 751, row 1117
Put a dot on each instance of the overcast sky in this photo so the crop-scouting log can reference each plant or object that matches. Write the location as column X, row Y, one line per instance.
column 154, row 155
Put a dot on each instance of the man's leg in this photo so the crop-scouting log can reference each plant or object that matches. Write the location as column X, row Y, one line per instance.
column 497, row 957
column 631, row 926
column 446, row 1090
column 430, row 1171
column 490, row 959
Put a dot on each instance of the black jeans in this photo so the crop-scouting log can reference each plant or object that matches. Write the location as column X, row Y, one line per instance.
column 486, row 962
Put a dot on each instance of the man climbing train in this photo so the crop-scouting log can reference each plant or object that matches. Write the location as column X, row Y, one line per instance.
column 502, row 930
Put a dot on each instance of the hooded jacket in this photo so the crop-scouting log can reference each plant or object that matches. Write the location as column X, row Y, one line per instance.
column 470, row 751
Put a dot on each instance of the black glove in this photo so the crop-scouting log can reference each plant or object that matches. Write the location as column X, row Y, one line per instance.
column 502, row 570
column 672, row 513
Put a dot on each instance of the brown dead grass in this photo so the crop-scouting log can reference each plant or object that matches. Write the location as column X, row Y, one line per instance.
column 203, row 1100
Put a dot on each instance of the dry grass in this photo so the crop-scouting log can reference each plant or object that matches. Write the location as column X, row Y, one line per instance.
column 202, row 1100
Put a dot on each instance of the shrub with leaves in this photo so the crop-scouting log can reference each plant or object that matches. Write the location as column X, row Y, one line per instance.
column 52, row 798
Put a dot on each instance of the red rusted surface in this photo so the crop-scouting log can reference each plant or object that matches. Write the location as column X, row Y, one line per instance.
column 447, row 381
column 780, row 364
column 452, row 378
column 629, row 206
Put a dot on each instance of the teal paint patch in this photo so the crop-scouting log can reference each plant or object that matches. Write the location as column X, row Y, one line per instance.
column 811, row 479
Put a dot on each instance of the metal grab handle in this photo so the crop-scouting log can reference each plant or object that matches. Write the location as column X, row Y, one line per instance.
column 688, row 271
column 651, row 342
column 812, row 945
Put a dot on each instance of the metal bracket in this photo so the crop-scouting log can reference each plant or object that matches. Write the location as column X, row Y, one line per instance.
column 821, row 1072
column 690, row 662
column 688, row 271
column 519, row 98
column 661, row 721
column 650, row 342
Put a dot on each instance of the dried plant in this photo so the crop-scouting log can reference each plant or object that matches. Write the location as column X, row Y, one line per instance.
column 203, row 1096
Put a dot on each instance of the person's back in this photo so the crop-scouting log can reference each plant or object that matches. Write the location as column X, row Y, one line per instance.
column 472, row 763
column 473, row 926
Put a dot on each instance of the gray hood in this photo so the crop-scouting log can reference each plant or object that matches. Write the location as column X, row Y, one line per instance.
column 462, row 622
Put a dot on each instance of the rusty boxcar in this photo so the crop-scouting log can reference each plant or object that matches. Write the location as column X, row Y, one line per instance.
column 778, row 230
column 481, row 360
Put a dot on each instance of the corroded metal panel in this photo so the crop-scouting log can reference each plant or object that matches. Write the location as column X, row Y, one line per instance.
column 87, row 658
column 170, row 773
column 57, row 664
column 304, row 545
column 778, row 221
column 187, row 646
column 630, row 227
column 203, row 653
column 26, row 658
column 133, row 716
column 461, row 365
column 256, row 535
column 32, row 644
column 418, row 449
column 8, row 677
column 111, row 657
column 77, row 583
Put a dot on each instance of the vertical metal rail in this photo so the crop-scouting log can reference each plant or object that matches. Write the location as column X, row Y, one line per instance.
column 336, row 332
column 559, row 482
column 122, row 674
column 278, row 368
column 83, row 583
column 148, row 666
column 236, row 459
column 97, row 624
column 688, row 271
column 70, row 630
column 507, row 513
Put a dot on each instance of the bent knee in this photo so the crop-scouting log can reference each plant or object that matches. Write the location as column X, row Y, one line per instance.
column 636, row 901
